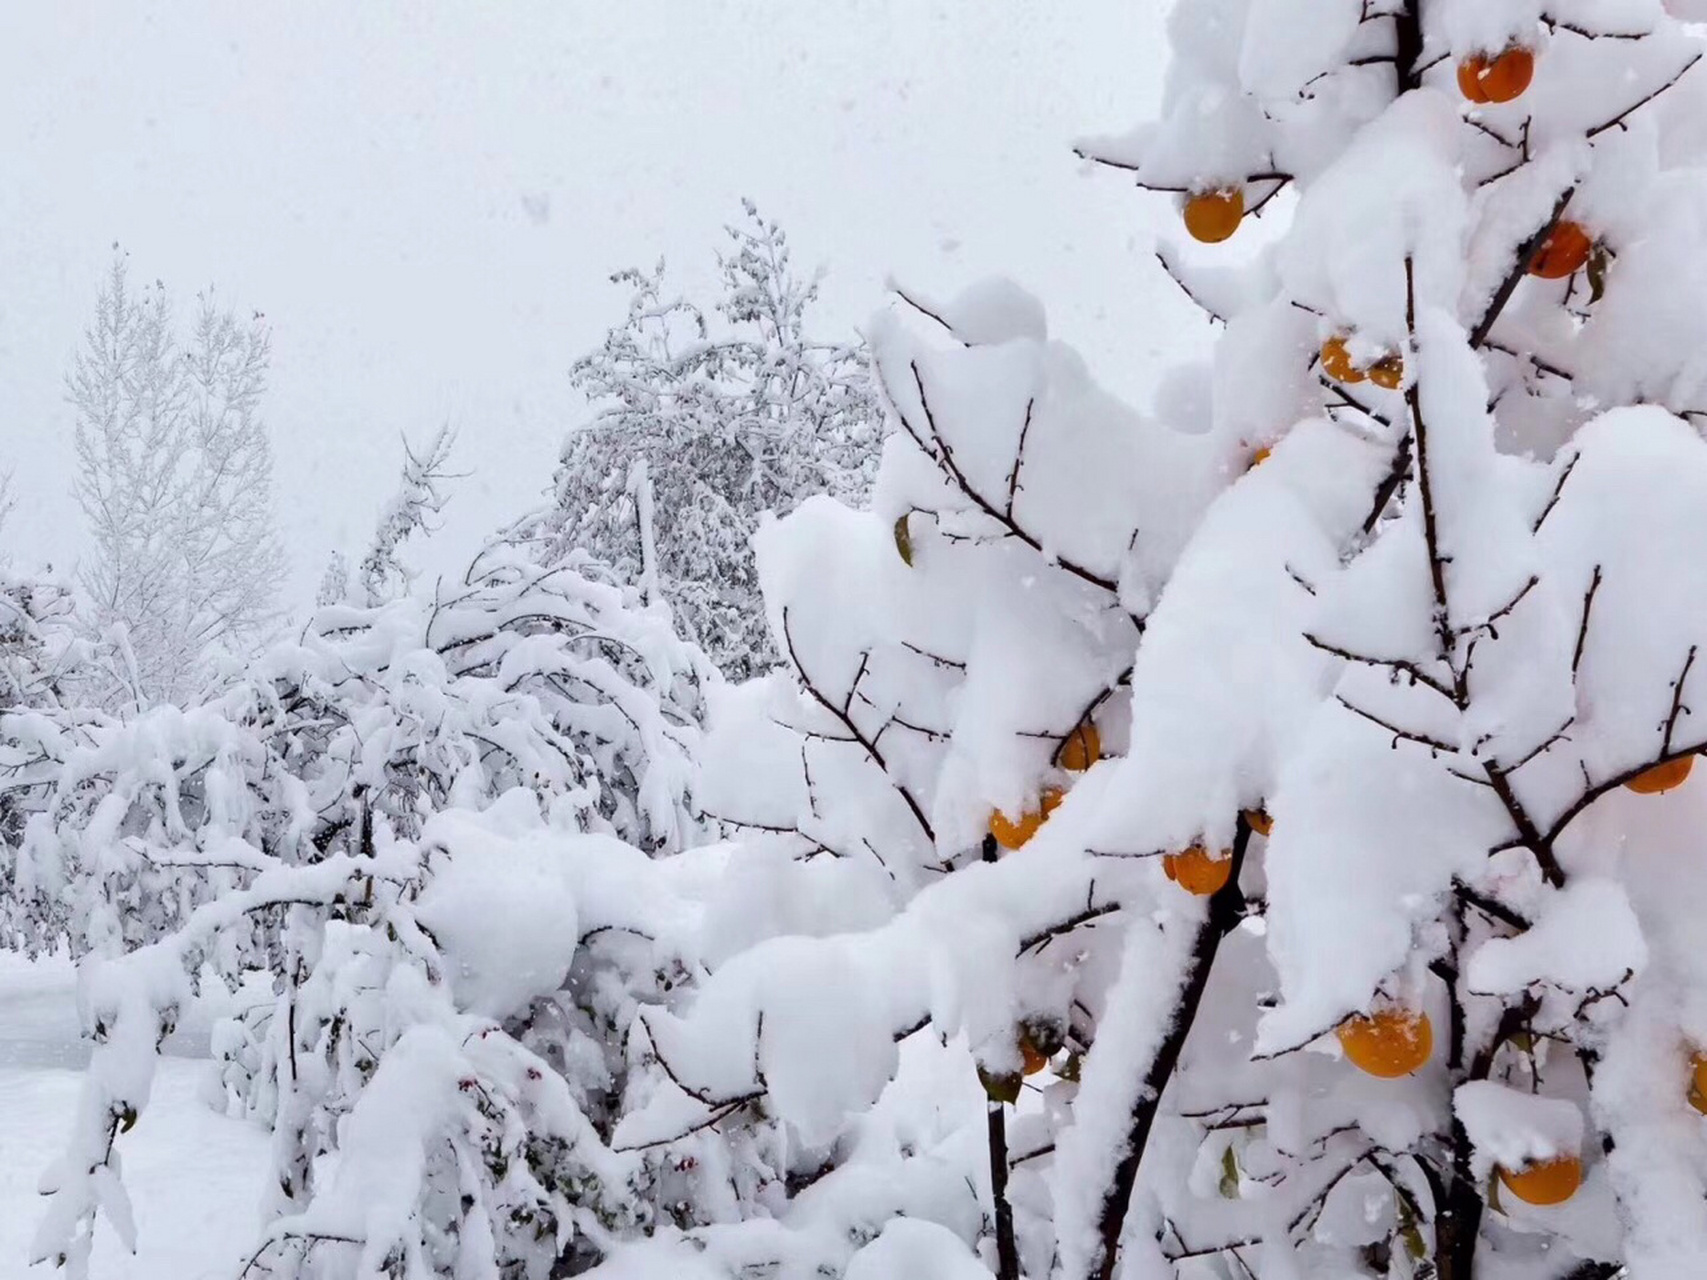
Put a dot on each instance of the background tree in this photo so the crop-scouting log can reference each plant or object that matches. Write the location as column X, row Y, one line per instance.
column 350, row 819
column 420, row 496
column 734, row 414
column 174, row 476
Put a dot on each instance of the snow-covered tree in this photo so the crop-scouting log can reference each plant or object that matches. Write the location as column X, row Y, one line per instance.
column 420, row 496
column 1371, row 954
column 174, row 477
column 733, row 414
column 41, row 659
column 354, row 818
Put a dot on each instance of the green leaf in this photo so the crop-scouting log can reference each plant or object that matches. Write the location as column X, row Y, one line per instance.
column 903, row 538
column 1597, row 263
column 1229, row 1174
column 1000, row 1086
column 1409, row 1231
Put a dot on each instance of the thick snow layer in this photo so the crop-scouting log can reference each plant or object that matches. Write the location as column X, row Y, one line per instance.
column 1512, row 1128
column 1585, row 936
column 1368, row 836
column 912, row 1248
column 503, row 912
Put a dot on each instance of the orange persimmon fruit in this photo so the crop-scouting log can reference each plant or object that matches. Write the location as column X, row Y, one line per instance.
column 1662, row 777
column 1387, row 1043
column 1080, row 749
column 1337, row 362
column 1494, row 78
column 1562, row 253
column 1545, row 1182
column 1195, row 871
column 1213, row 216
column 1011, row 833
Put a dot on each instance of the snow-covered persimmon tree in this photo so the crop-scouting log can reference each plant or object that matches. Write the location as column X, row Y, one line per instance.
column 958, row 657
column 1371, row 954
column 1480, row 868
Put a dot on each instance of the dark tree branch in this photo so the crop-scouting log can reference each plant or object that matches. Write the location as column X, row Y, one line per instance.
column 1546, row 745
column 1407, row 28
column 1490, row 906
column 1582, row 627
column 1019, row 457
column 1554, row 24
column 1519, row 269
column 1594, row 791
column 1540, row 848
column 1677, row 707
column 856, row 733
column 925, row 311
column 1126, row 166
column 1043, row 937
column 934, row 658
column 1389, row 484
column 1400, row 665
column 1505, row 609
column 944, row 454
column 1408, row 735
column 1553, row 501
column 1007, row 1250
column 1173, row 274
column 1617, row 121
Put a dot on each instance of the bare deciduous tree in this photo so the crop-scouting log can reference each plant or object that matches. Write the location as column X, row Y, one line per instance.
column 175, row 477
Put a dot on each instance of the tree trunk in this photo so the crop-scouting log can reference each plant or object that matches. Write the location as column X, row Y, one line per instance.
column 1226, row 909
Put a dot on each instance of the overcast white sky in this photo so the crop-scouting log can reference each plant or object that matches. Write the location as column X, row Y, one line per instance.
column 363, row 173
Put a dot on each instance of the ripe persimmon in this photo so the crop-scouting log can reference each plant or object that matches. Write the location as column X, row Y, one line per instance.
column 1213, row 216
column 1081, row 749
column 1337, row 362
column 1698, row 1082
column 1485, row 78
column 1011, row 833
column 1388, row 372
column 1195, row 871
column 1546, row 1181
column 1032, row 1058
column 1387, row 1043
column 1259, row 821
column 1562, row 253
column 1040, row 1038
column 1662, row 777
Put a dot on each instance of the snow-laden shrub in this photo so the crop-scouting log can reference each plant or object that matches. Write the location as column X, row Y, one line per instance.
column 430, row 822
column 41, row 723
column 455, row 1150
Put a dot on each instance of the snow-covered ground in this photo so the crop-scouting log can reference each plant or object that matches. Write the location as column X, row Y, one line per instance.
column 194, row 1175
